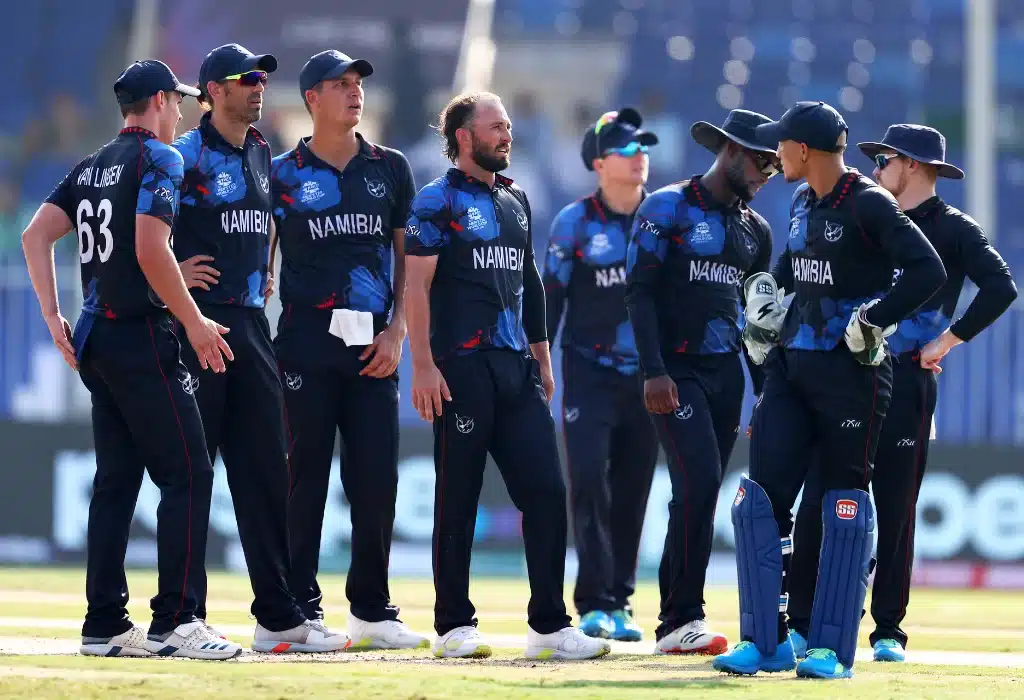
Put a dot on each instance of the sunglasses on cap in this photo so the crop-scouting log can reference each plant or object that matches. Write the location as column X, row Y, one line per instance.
column 627, row 151
column 883, row 159
column 250, row 79
column 765, row 163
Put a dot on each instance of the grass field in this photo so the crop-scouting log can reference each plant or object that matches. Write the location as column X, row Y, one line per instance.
column 41, row 610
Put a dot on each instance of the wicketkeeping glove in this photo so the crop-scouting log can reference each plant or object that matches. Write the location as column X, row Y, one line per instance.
column 765, row 313
column 866, row 341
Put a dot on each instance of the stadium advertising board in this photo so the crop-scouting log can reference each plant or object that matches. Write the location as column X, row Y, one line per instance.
column 970, row 528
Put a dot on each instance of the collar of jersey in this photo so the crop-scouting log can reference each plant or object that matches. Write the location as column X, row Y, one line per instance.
column 213, row 138
column 698, row 195
column 603, row 212
column 458, row 177
column 926, row 208
column 137, row 130
column 838, row 193
column 305, row 157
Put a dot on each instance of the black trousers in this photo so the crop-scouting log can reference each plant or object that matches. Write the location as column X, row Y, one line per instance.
column 324, row 394
column 896, row 482
column 816, row 405
column 698, row 439
column 498, row 407
column 144, row 417
column 243, row 418
column 611, row 451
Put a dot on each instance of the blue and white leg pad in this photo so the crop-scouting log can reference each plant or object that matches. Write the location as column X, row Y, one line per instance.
column 848, row 536
column 759, row 551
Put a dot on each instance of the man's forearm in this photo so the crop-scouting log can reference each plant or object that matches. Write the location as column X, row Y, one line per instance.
column 398, row 315
column 43, row 272
column 417, row 316
column 163, row 274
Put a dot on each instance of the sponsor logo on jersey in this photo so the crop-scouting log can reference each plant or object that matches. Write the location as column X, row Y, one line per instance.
column 846, row 509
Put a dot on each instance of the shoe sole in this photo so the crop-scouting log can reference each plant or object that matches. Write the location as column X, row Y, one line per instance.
column 558, row 655
column 197, row 654
column 718, row 645
column 884, row 660
column 373, row 643
column 481, row 652
column 295, row 648
column 112, row 650
column 806, row 673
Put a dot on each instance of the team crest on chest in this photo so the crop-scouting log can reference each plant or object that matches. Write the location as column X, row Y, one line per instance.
column 375, row 188
column 833, row 231
column 523, row 221
column 265, row 183
column 794, row 228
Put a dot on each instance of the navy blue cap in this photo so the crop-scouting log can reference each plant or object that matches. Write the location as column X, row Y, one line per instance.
column 614, row 130
column 921, row 143
column 144, row 79
column 233, row 59
column 815, row 124
column 328, row 65
column 739, row 127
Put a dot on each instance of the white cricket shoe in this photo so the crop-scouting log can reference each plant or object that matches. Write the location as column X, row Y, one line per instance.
column 462, row 643
column 386, row 634
column 693, row 638
column 214, row 632
column 311, row 637
column 129, row 643
column 193, row 640
column 568, row 643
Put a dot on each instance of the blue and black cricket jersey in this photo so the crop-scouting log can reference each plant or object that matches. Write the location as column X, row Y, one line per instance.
column 685, row 266
column 585, row 269
column 337, row 227
column 841, row 253
column 134, row 174
column 966, row 254
column 226, row 212
column 487, row 291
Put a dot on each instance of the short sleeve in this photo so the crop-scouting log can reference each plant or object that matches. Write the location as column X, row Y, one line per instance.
column 406, row 190
column 62, row 196
column 160, row 187
column 429, row 224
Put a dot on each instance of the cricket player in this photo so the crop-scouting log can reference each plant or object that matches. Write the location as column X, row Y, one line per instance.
column 340, row 206
column 908, row 160
column 827, row 388
column 691, row 246
column 610, row 441
column 121, row 201
column 482, row 376
column 225, row 227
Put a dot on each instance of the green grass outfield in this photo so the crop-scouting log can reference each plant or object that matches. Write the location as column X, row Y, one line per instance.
column 47, row 605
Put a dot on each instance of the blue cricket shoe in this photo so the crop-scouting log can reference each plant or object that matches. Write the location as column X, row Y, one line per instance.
column 744, row 659
column 823, row 664
column 889, row 650
column 623, row 627
column 597, row 623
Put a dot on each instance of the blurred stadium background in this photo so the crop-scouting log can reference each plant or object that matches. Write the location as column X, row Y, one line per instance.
column 955, row 64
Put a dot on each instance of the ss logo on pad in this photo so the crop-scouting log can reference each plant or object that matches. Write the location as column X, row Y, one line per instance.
column 846, row 509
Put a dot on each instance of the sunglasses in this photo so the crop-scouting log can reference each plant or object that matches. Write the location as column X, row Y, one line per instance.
column 765, row 163
column 250, row 79
column 883, row 159
column 627, row 151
